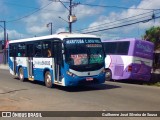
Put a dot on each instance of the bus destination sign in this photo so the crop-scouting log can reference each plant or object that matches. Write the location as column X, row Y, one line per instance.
column 80, row 41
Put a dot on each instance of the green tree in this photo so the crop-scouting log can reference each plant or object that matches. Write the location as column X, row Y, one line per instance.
column 153, row 35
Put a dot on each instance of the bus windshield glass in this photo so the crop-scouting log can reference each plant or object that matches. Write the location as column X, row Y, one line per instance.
column 83, row 51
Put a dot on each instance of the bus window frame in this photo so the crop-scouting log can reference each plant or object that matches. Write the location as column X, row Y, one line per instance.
column 34, row 49
column 21, row 52
column 13, row 51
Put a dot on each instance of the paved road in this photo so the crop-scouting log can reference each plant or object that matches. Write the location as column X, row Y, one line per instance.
column 111, row 96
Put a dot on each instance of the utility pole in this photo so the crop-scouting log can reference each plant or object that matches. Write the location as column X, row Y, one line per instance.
column 69, row 17
column 4, row 27
column 50, row 27
column 5, row 51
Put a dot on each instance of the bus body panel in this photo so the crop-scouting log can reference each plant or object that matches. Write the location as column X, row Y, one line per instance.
column 82, row 80
column 136, row 64
column 40, row 65
column 11, row 65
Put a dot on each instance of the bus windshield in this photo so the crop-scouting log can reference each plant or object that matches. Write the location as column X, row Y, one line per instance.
column 84, row 51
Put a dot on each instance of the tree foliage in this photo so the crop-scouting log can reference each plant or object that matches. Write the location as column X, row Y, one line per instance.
column 153, row 35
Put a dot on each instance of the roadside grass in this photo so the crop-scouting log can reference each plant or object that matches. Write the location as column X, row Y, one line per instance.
column 153, row 84
column 155, row 80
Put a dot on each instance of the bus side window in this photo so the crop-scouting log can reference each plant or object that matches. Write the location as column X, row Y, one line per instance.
column 21, row 50
column 12, row 50
column 38, row 49
column 47, row 49
column 122, row 48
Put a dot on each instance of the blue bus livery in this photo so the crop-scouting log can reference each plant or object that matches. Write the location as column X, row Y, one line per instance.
column 62, row 59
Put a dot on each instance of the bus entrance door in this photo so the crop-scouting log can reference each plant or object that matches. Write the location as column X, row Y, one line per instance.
column 30, row 61
column 15, row 65
column 57, row 61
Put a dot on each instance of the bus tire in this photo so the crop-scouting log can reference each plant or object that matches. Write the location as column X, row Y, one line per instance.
column 108, row 75
column 21, row 74
column 48, row 79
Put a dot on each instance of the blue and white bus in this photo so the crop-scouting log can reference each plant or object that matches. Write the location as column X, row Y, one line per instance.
column 63, row 59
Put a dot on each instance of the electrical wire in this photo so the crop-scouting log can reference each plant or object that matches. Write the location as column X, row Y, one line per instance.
column 108, row 6
column 120, row 26
column 30, row 13
column 117, row 7
column 113, row 21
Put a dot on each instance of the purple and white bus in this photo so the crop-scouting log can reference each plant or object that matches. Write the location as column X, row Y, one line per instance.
column 128, row 59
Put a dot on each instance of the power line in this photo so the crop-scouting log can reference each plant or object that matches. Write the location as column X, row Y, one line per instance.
column 20, row 5
column 119, row 7
column 113, row 21
column 30, row 13
column 31, row 7
column 114, row 6
column 120, row 26
column 124, row 19
column 38, row 9
column 79, row 3
column 145, row 20
column 71, row 18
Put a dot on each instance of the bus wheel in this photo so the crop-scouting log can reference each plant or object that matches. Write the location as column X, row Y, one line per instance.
column 21, row 74
column 108, row 75
column 48, row 79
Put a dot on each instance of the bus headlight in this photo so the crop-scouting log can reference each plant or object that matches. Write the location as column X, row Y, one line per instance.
column 103, row 70
column 70, row 74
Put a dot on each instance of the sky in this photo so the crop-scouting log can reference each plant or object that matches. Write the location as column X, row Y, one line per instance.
column 108, row 19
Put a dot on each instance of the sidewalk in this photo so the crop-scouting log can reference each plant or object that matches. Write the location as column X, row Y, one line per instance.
column 3, row 66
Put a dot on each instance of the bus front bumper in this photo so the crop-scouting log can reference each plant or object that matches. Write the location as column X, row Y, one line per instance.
column 85, row 80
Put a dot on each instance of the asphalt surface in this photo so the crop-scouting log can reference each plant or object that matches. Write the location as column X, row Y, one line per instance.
column 111, row 96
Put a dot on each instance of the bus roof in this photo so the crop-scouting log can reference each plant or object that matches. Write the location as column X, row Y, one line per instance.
column 127, row 39
column 57, row 36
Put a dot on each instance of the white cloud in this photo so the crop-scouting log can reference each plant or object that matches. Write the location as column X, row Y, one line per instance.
column 61, row 30
column 114, row 16
column 37, row 29
column 37, row 23
column 82, row 11
column 13, row 34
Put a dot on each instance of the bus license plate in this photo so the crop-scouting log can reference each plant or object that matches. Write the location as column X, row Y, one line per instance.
column 89, row 79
